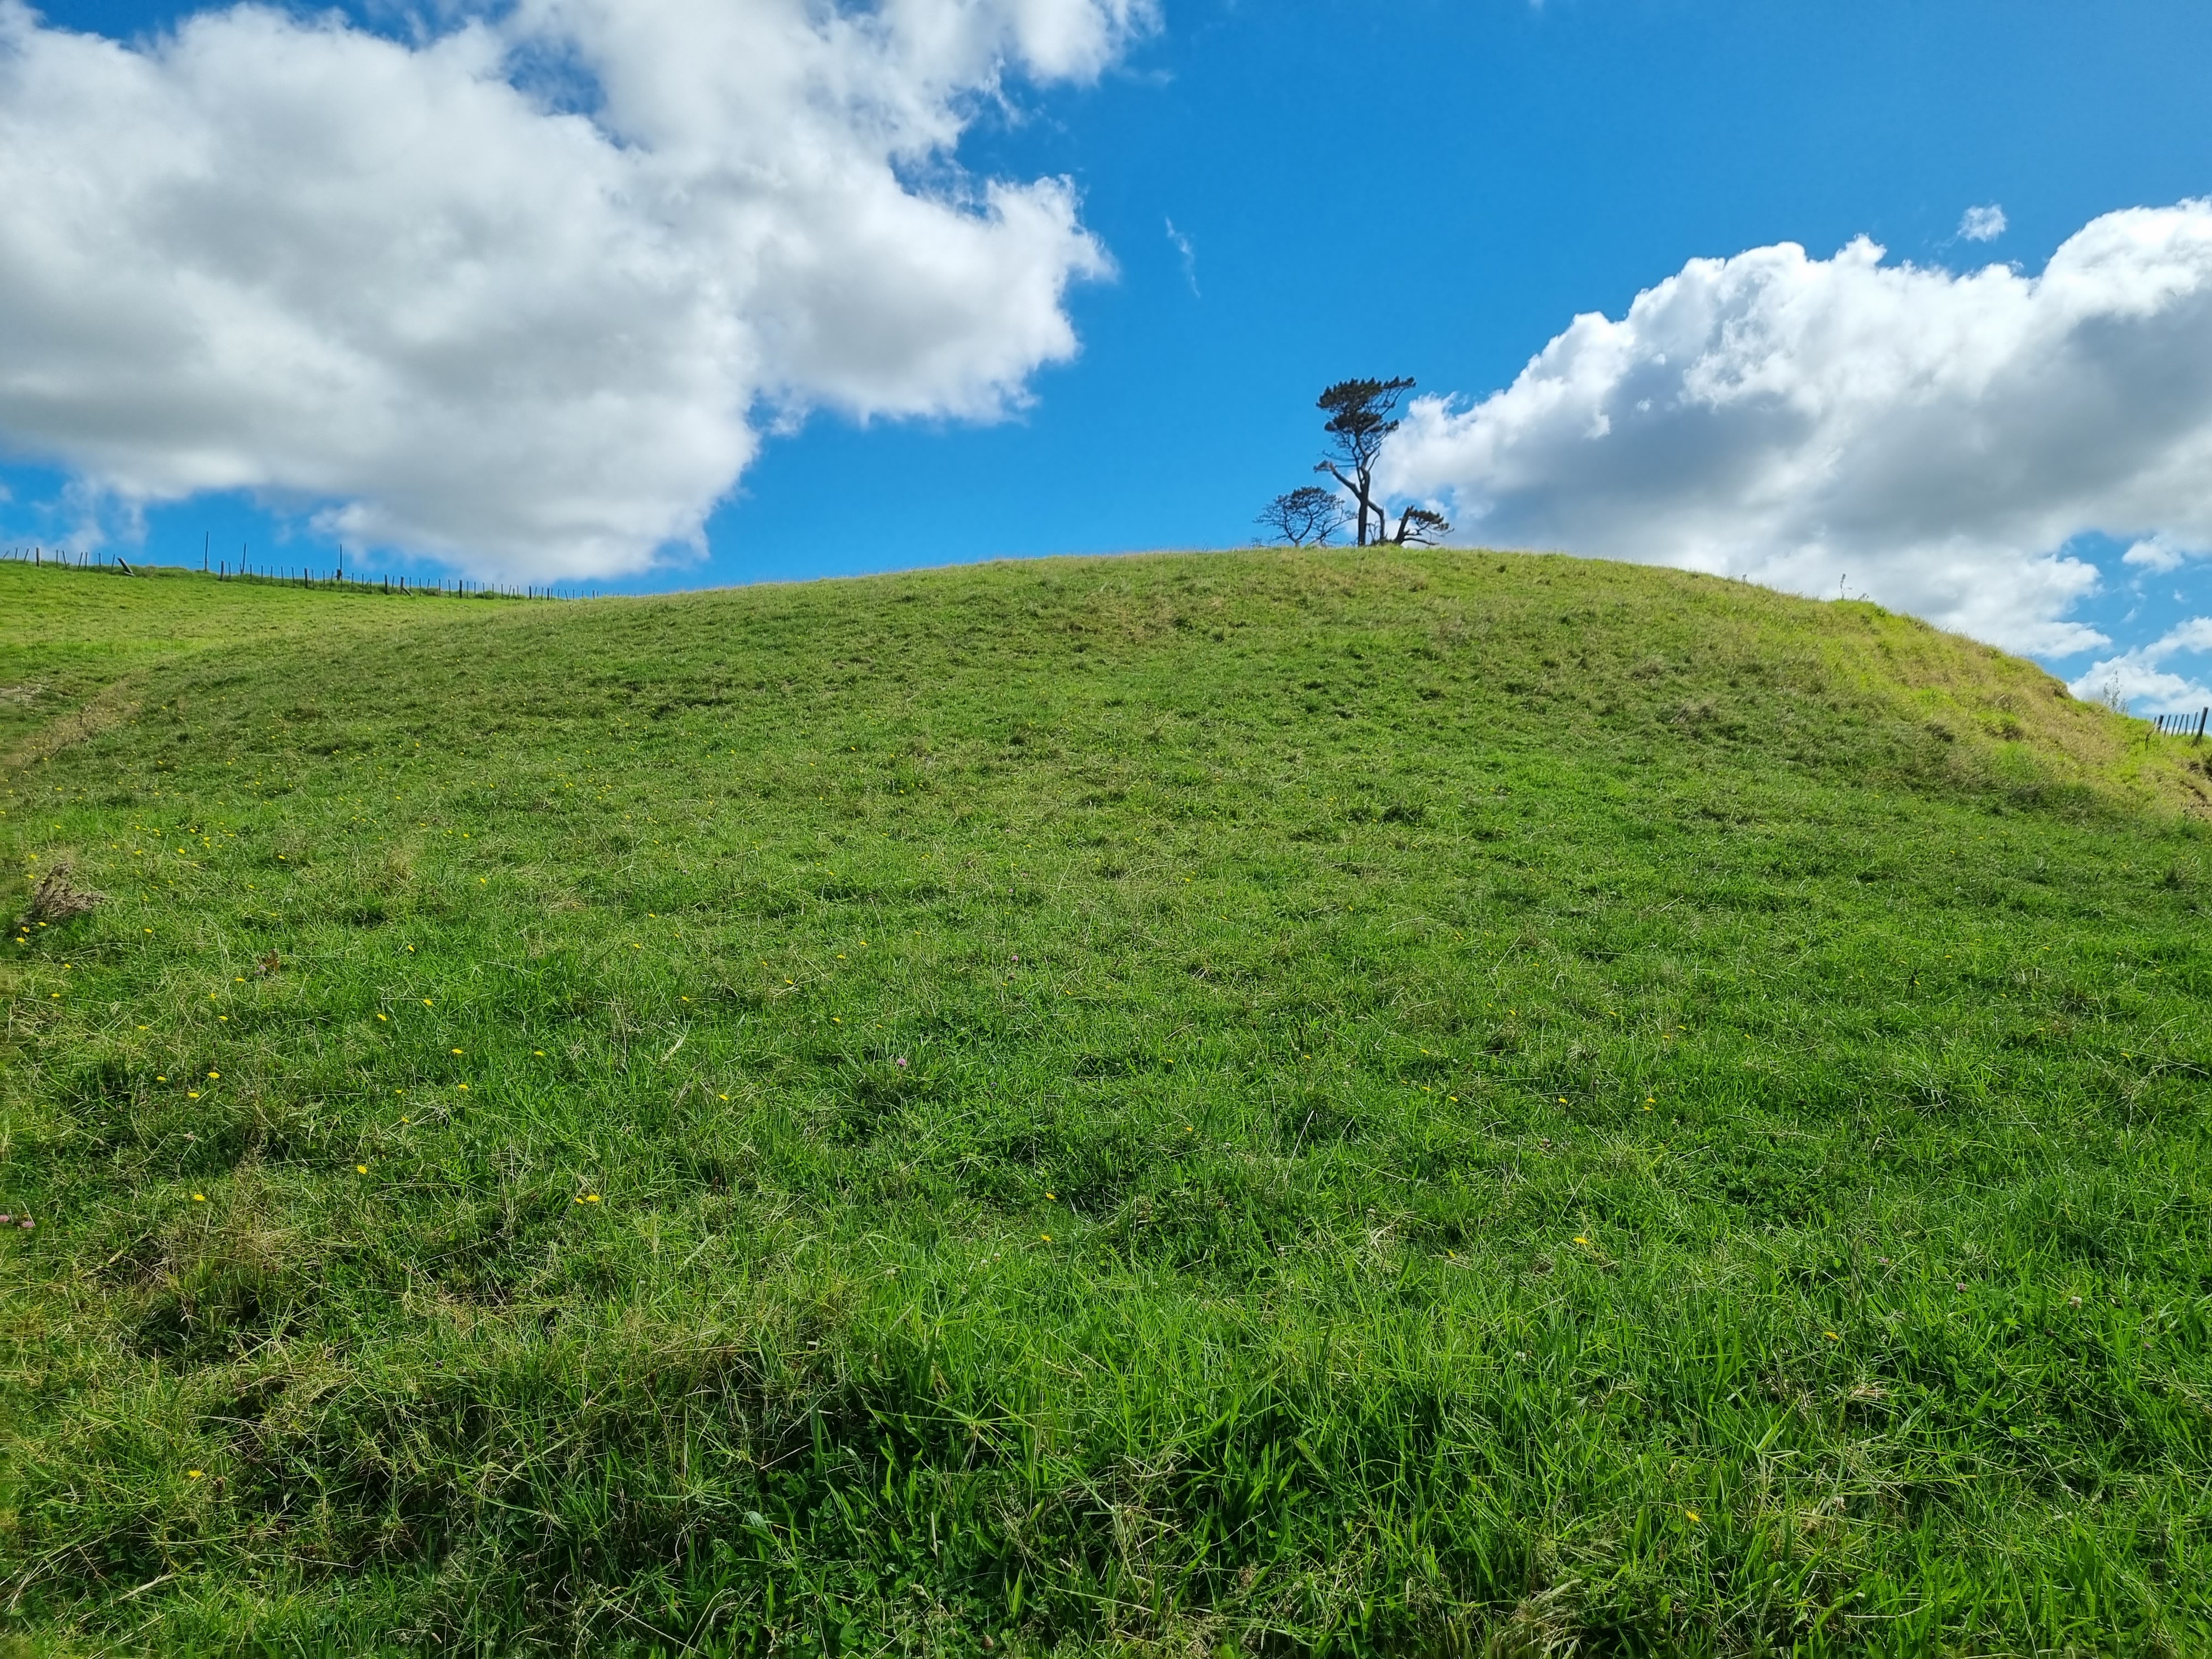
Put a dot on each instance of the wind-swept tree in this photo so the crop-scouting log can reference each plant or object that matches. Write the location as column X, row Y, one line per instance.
column 1361, row 415
column 1419, row 524
column 1307, row 513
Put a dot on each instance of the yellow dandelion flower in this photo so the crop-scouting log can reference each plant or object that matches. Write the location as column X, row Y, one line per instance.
column 193, row 1474
column 361, row 1169
column 1693, row 1514
column 199, row 1198
column 591, row 1198
column 1832, row 1336
column 1579, row 1239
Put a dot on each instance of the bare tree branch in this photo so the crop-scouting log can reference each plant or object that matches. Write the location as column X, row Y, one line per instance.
column 1307, row 513
column 1419, row 524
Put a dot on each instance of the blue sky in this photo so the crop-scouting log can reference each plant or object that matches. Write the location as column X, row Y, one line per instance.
column 1428, row 187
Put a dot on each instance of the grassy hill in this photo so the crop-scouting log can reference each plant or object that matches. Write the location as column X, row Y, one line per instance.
column 1364, row 1103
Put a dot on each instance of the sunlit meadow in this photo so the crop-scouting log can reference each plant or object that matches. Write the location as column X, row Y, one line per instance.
column 1288, row 1103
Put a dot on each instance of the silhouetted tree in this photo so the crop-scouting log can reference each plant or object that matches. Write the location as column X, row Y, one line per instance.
column 1418, row 524
column 1307, row 513
column 1361, row 415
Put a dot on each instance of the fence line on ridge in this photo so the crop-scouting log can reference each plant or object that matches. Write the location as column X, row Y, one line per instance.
column 243, row 569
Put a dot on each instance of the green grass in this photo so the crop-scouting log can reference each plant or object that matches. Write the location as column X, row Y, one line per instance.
column 1363, row 1103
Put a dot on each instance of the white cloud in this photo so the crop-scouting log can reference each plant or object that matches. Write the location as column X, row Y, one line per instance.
column 519, row 292
column 2157, row 553
column 1937, row 439
column 1982, row 224
column 1182, row 245
column 2140, row 681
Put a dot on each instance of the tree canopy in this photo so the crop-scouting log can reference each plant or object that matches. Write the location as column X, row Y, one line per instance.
column 1362, row 414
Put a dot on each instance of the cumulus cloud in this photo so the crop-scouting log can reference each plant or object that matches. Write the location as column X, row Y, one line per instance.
column 1982, row 224
column 519, row 291
column 1936, row 440
column 2156, row 553
column 2142, row 681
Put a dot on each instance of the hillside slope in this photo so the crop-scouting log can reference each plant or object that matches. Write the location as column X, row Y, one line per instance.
column 1363, row 1101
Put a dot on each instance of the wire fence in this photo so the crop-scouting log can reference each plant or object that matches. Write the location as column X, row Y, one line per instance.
column 338, row 578
column 2180, row 725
